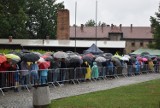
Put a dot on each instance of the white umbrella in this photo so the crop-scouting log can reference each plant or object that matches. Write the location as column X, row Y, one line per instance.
column 60, row 54
column 124, row 58
column 100, row 59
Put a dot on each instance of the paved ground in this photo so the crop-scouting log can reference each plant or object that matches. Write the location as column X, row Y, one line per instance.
column 23, row 99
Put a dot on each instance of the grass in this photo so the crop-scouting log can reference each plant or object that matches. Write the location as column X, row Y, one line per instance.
column 142, row 95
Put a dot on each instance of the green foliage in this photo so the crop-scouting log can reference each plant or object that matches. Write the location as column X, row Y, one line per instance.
column 143, row 95
column 90, row 23
column 12, row 18
column 155, row 24
column 29, row 18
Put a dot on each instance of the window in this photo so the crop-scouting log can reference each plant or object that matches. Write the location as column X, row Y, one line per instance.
column 141, row 44
column 133, row 44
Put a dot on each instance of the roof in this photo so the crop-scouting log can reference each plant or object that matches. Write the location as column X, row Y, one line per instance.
column 89, row 32
column 65, row 43
column 150, row 51
column 93, row 49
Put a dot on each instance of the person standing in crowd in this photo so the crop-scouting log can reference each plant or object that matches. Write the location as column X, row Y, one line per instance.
column 25, row 77
column 95, row 72
column 55, row 71
column 110, row 68
column 137, row 67
column 15, row 70
column 88, row 70
column 43, row 76
column 150, row 65
column 3, row 74
column 34, row 73
column 63, row 67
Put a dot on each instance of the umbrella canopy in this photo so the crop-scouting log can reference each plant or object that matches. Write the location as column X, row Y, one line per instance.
column 47, row 57
column 48, row 53
column 116, row 61
column 60, row 54
column 30, row 57
column 124, row 58
column 38, row 53
column 41, row 59
column 2, row 59
column 14, row 58
column 44, row 65
column 88, row 59
column 100, row 59
column 144, row 59
column 75, row 60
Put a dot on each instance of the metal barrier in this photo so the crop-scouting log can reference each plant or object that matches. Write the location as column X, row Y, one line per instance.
column 26, row 79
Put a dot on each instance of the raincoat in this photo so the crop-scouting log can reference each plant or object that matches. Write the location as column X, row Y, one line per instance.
column 151, row 65
column 88, row 73
column 95, row 73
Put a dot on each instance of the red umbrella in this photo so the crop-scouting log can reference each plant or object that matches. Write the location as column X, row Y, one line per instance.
column 44, row 65
column 2, row 59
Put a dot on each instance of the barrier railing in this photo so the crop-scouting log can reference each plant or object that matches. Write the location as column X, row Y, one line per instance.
column 25, row 79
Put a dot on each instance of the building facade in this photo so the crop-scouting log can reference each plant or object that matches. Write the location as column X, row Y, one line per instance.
column 135, row 37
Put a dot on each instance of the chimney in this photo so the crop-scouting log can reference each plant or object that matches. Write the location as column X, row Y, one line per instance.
column 131, row 28
column 82, row 27
column 112, row 26
column 63, row 22
column 102, row 26
column 10, row 38
column 120, row 27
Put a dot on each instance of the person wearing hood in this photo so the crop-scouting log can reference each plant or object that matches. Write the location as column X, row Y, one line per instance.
column 88, row 71
column 95, row 72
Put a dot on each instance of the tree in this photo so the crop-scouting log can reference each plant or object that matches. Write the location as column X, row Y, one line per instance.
column 12, row 19
column 155, row 25
column 42, row 18
column 90, row 23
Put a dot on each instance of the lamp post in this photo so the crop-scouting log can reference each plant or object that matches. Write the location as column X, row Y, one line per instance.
column 96, row 23
column 75, row 25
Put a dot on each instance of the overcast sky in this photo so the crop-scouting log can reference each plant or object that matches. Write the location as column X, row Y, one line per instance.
column 125, row 12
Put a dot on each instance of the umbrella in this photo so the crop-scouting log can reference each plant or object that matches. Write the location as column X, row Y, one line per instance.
column 117, row 56
column 20, row 54
column 14, row 58
column 44, row 65
column 100, row 59
column 30, row 57
column 88, row 59
column 75, row 60
column 124, row 58
column 47, row 57
column 116, row 61
column 41, row 59
column 127, row 56
column 2, row 59
column 38, row 53
column 144, row 59
column 48, row 53
column 90, row 55
column 60, row 54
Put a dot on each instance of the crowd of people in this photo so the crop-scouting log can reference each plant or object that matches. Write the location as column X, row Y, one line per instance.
column 23, row 72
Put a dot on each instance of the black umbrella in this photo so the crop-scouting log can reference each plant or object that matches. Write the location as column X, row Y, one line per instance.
column 116, row 61
column 76, row 60
column 88, row 59
column 30, row 57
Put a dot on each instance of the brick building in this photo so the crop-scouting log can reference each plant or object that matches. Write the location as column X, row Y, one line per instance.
column 135, row 37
